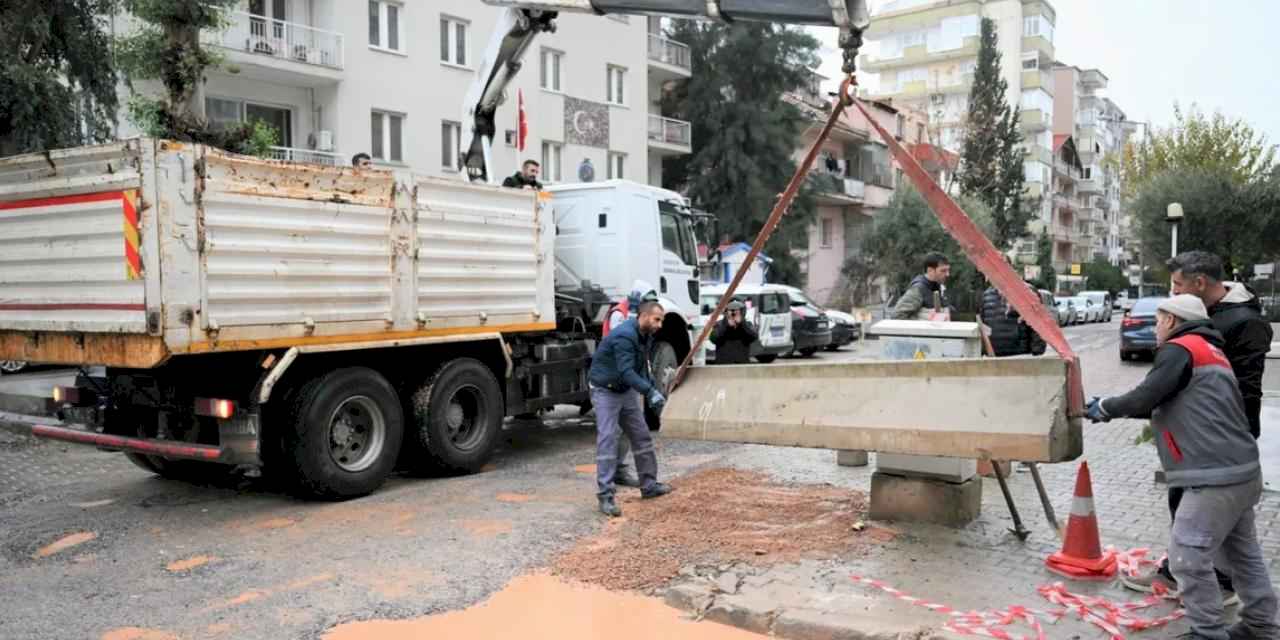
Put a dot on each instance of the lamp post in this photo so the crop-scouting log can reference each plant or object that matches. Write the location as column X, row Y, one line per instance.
column 1174, row 216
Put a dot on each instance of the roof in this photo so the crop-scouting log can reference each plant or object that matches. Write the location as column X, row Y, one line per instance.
column 1059, row 140
column 741, row 247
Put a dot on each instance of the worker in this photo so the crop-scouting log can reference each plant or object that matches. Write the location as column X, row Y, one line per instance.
column 1009, row 333
column 526, row 177
column 620, row 383
column 733, row 335
column 361, row 160
column 1202, row 435
column 641, row 292
column 1237, row 314
column 925, row 298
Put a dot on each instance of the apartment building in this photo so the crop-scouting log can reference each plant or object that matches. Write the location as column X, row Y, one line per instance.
column 1071, row 227
column 926, row 58
column 856, row 178
column 1100, row 129
column 388, row 78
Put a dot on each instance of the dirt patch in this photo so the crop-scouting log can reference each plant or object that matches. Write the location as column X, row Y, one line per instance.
column 137, row 633
column 585, row 469
column 718, row 516
column 514, row 497
column 64, row 543
column 187, row 564
column 487, row 528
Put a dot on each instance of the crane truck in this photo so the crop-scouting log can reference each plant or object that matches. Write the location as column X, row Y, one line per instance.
column 324, row 324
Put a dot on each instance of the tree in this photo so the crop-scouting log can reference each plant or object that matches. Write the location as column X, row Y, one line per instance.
column 1101, row 275
column 166, row 46
column 57, row 85
column 1226, row 146
column 1233, row 220
column 991, row 160
column 1044, row 259
column 744, row 134
column 907, row 230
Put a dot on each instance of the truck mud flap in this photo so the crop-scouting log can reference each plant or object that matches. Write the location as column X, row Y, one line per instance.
column 1002, row 409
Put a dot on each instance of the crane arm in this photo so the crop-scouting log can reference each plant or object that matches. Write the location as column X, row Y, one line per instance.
column 522, row 21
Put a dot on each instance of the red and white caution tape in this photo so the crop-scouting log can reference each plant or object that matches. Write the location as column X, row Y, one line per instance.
column 1111, row 617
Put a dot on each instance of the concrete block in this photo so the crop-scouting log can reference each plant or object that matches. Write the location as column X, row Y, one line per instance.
column 751, row 612
column 987, row 468
column 846, row 458
column 915, row 499
column 689, row 596
column 845, row 624
column 948, row 469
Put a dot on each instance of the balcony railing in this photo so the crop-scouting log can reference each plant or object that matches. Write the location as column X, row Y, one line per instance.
column 669, row 52
column 279, row 39
column 670, row 131
column 289, row 154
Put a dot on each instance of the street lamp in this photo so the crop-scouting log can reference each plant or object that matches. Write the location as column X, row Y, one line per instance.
column 1174, row 216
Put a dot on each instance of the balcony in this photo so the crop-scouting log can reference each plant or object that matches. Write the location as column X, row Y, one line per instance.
column 1090, row 186
column 669, row 59
column 838, row 190
column 920, row 54
column 1039, row 44
column 279, row 51
column 670, row 137
column 306, row 156
column 1037, row 79
column 1093, row 80
column 1035, row 120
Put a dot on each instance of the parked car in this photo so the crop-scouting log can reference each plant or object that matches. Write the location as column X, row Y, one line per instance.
column 1102, row 300
column 1122, row 302
column 13, row 366
column 810, row 325
column 1087, row 310
column 1067, row 314
column 768, row 308
column 845, row 329
column 1138, row 329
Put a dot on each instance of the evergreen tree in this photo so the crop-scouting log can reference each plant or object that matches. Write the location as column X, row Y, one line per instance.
column 744, row 135
column 57, row 84
column 1044, row 259
column 991, row 166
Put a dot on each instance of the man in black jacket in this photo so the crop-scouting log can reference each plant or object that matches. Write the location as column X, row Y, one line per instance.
column 733, row 336
column 1237, row 314
column 526, row 177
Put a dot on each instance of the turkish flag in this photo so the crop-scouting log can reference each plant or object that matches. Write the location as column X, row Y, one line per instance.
column 522, row 126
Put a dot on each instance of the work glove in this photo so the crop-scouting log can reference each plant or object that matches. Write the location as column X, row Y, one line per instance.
column 657, row 400
column 1095, row 412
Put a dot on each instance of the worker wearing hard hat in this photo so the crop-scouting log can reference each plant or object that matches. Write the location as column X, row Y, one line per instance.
column 733, row 335
column 1206, row 450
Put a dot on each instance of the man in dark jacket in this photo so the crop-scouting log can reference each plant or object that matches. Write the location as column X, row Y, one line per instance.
column 1237, row 314
column 620, row 382
column 733, row 335
column 1010, row 336
column 1202, row 436
column 526, row 177
column 917, row 303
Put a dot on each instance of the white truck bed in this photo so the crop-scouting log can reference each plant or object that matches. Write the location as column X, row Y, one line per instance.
column 129, row 253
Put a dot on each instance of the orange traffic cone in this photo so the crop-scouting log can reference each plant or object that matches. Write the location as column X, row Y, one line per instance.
column 1081, row 556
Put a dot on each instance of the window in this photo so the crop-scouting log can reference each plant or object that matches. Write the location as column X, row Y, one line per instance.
column 552, row 154
column 1037, row 26
column 677, row 236
column 225, row 113
column 453, row 42
column 616, row 89
column 825, row 226
column 450, row 145
column 385, row 25
column 616, row 163
column 1030, row 61
column 386, row 136
column 551, row 62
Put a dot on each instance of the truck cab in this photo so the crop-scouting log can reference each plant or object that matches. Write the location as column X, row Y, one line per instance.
column 613, row 233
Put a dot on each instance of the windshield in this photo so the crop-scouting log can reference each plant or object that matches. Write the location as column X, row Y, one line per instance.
column 798, row 298
column 677, row 236
column 1097, row 298
column 774, row 303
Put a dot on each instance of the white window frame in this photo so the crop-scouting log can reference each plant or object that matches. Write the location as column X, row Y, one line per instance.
column 450, row 42
column 384, row 36
column 615, row 85
column 1034, row 58
column 552, row 161
column 826, row 229
column 551, row 70
column 451, row 135
column 384, row 155
column 617, row 166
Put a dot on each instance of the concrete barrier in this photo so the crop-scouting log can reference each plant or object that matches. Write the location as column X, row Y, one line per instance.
column 1271, row 376
column 1002, row 409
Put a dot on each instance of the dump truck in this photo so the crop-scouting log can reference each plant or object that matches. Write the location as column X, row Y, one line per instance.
column 317, row 322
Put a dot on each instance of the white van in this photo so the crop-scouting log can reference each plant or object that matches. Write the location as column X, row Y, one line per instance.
column 768, row 308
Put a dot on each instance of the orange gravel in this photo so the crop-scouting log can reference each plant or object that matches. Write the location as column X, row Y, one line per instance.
column 718, row 516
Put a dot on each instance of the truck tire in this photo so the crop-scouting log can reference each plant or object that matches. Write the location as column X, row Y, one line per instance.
column 457, row 419
column 345, row 435
column 808, row 353
column 663, row 366
column 185, row 470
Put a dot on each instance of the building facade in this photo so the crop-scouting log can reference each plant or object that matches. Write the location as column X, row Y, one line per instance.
column 388, row 78
column 1071, row 227
column 1100, row 130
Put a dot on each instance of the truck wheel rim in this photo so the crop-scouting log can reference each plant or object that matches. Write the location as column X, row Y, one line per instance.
column 357, row 431
column 464, row 415
column 10, row 366
column 664, row 367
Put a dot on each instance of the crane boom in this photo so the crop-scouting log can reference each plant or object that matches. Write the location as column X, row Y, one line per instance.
column 522, row 21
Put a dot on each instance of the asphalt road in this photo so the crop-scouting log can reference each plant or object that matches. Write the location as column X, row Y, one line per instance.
column 137, row 557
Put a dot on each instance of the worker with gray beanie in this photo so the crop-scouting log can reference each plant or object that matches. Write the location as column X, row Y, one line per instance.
column 1206, row 450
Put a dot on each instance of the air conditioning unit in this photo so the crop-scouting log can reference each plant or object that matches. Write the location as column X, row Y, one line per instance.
column 324, row 141
column 937, row 99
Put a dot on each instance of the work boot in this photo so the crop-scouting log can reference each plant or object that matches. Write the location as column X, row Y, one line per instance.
column 1242, row 631
column 658, row 490
column 1162, row 582
column 609, row 507
column 626, row 478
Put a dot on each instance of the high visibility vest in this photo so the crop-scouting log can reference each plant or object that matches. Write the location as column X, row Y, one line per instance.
column 623, row 307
